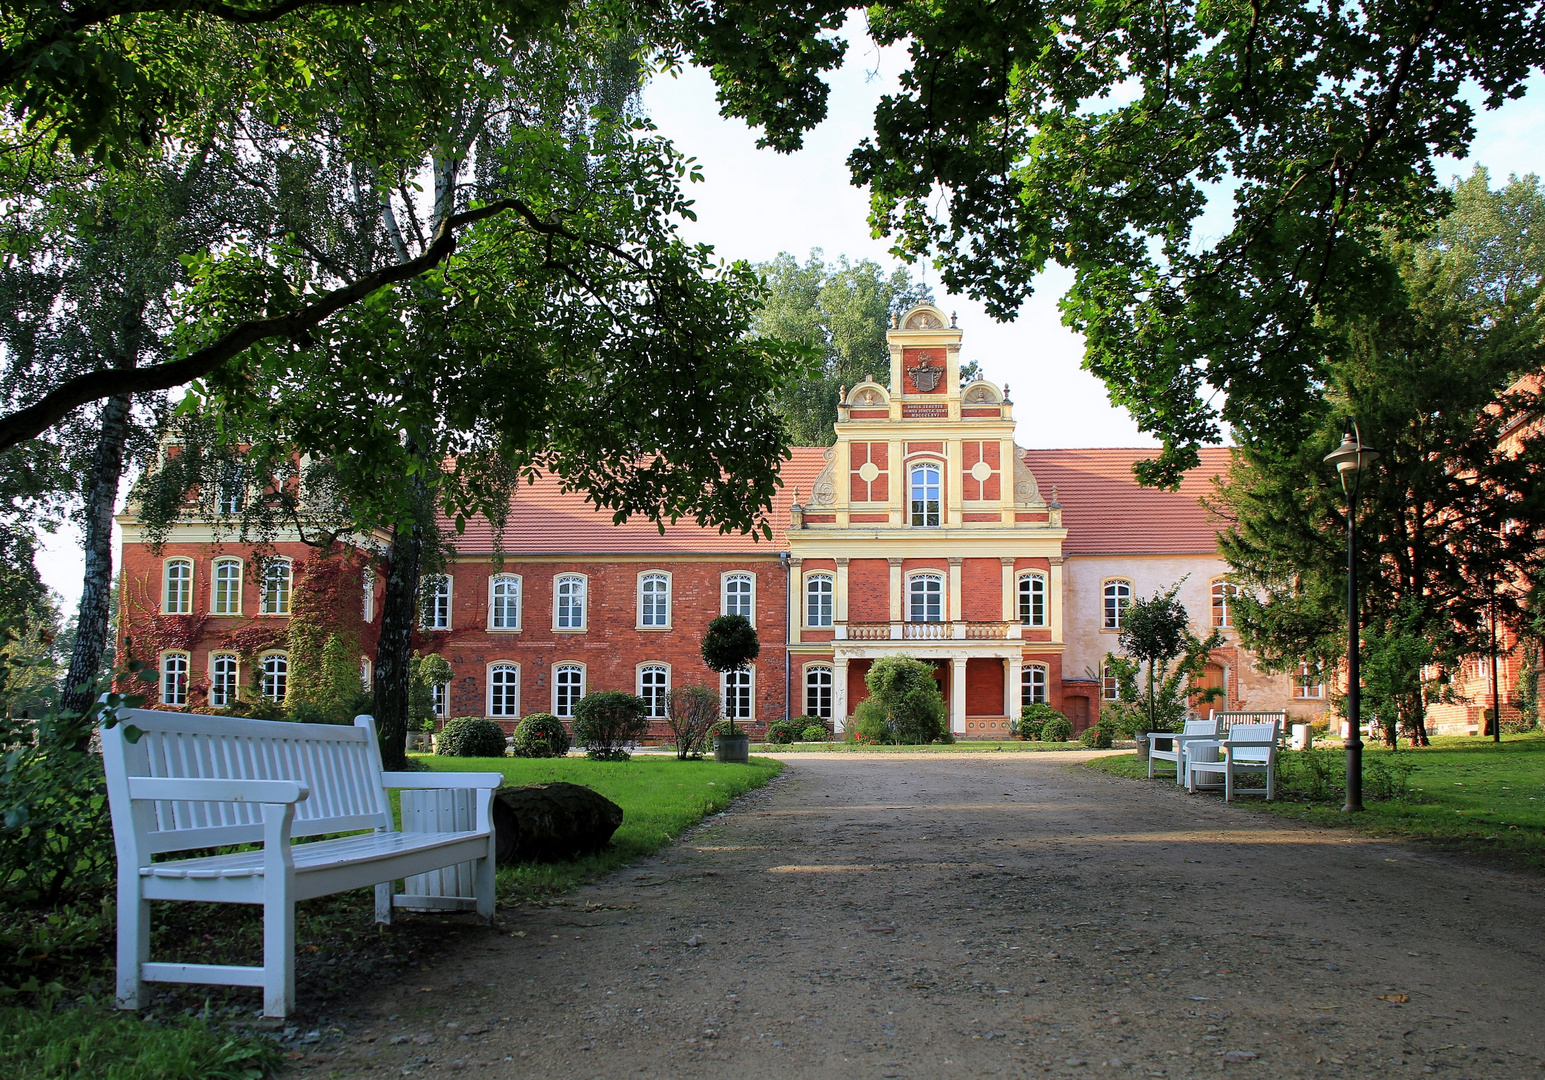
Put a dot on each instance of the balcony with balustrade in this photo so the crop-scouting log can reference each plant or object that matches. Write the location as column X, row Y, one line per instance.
column 927, row 631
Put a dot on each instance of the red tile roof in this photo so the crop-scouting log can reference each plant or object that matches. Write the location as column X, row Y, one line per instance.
column 1106, row 512
column 546, row 520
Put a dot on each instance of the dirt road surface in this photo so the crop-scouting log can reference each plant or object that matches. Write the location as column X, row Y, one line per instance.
column 897, row 917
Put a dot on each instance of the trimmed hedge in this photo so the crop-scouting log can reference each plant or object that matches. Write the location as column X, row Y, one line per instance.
column 541, row 735
column 470, row 736
column 1057, row 729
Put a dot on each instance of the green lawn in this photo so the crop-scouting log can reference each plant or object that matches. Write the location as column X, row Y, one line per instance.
column 1463, row 791
column 659, row 797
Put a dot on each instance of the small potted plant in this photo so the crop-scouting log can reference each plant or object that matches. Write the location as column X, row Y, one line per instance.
column 730, row 645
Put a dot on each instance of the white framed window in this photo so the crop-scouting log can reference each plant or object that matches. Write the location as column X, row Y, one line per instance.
column 1108, row 687
column 366, row 672
column 654, row 683
column 177, row 587
column 1032, row 599
column 818, row 691
column 1223, row 593
column 232, row 497
column 738, row 698
column 225, row 597
column 437, row 612
column 924, row 489
column 818, row 600
column 568, row 688
column 654, row 599
column 368, row 595
column 738, row 596
column 504, row 691
column 278, row 582
column 1032, row 685
column 925, row 598
column 440, row 699
column 174, row 678
column 569, row 602
column 276, row 676
column 223, row 683
column 1308, row 683
column 504, row 602
column 1118, row 594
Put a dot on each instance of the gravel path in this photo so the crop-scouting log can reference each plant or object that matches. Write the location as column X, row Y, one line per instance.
column 988, row 915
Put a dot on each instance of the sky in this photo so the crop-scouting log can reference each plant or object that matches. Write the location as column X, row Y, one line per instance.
column 754, row 204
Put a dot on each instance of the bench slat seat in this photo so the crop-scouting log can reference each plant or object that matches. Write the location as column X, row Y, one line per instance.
column 186, row 783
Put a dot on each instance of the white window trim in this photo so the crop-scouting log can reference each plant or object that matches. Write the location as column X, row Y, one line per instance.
column 1230, row 591
column 520, row 603
column 262, row 660
column 214, row 583
column 289, row 596
column 1131, row 592
column 187, row 674
column 944, row 593
column 810, row 576
column 488, row 684
column 450, row 607
column 724, row 678
column 670, row 600
column 1107, row 675
column 235, row 683
column 584, row 685
column 1041, row 576
column 670, row 682
column 1045, row 682
column 584, row 607
column 724, row 591
column 942, row 466
column 367, row 672
column 807, row 671
column 368, row 594
column 166, row 586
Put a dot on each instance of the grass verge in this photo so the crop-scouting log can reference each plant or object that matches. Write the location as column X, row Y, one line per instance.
column 52, row 1042
column 1463, row 792
column 659, row 798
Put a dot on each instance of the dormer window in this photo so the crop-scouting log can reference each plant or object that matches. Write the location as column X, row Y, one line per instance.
column 924, row 492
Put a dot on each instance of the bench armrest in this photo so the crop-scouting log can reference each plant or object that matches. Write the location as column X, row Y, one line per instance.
column 442, row 779
column 1242, row 742
column 216, row 789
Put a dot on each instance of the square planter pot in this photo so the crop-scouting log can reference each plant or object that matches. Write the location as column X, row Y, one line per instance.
column 735, row 749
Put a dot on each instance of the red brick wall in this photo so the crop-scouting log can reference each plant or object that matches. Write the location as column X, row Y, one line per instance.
column 981, row 590
column 869, row 590
column 984, row 687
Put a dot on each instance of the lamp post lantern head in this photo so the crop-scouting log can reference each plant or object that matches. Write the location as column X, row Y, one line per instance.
column 1352, row 458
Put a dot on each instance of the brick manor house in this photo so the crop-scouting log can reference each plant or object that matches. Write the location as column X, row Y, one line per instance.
column 923, row 530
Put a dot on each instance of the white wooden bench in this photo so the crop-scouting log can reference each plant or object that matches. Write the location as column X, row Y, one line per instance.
column 1194, row 730
column 198, row 782
column 1226, row 720
column 1248, row 748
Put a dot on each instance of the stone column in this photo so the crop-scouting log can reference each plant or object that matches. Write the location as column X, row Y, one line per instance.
column 955, row 605
column 797, row 599
column 1016, row 673
column 840, row 693
column 1010, row 604
column 840, row 591
column 958, row 695
column 897, row 599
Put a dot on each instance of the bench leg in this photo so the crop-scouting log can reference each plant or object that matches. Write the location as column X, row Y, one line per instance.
column 278, row 957
column 1228, row 784
column 483, row 871
column 133, row 940
column 384, row 902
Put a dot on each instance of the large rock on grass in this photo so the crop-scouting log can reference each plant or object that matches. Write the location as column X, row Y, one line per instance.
column 547, row 822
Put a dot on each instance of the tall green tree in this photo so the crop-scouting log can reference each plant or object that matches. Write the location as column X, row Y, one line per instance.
column 840, row 312
column 1452, row 517
column 1155, row 633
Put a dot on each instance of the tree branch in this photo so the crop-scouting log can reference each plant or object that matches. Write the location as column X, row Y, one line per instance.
column 32, row 421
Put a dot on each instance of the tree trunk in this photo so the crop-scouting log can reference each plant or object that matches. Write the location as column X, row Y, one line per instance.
column 96, row 592
column 399, row 612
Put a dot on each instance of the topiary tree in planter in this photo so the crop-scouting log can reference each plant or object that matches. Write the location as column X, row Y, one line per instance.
column 541, row 735
column 1156, row 633
column 730, row 645
column 424, row 674
column 607, row 721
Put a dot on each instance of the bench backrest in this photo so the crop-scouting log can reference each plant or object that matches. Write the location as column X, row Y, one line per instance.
column 1252, row 733
column 1201, row 727
column 340, row 765
column 1227, row 720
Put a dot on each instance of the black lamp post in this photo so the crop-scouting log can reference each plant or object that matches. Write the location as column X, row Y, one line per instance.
column 1352, row 460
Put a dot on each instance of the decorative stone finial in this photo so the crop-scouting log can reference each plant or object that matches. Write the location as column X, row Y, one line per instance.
column 1054, row 504
column 1005, row 392
column 895, row 321
column 952, row 320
